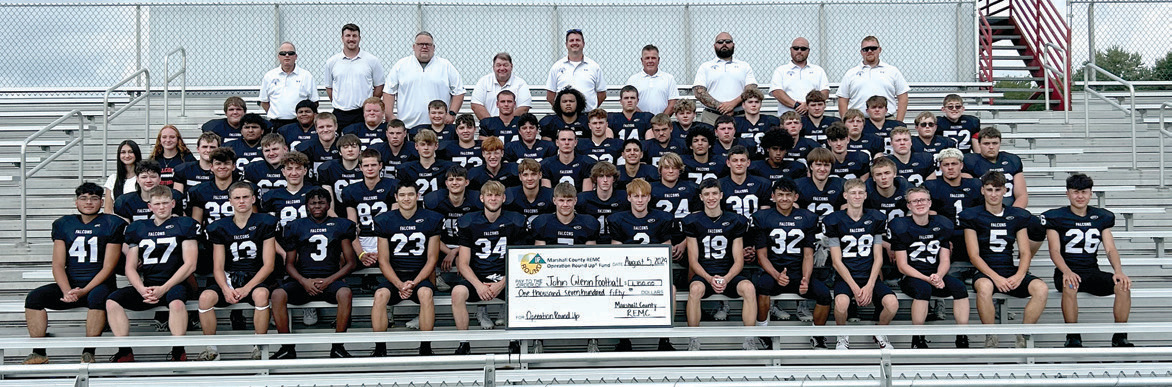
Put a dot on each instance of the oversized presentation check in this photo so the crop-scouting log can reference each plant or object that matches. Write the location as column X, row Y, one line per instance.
column 589, row 286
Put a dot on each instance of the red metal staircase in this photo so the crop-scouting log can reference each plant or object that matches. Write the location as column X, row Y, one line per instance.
column 1031, row 36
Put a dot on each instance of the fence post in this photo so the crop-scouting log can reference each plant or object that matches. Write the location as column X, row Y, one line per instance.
column 137, row 41
column 276, row 31
column 1091, row 37
column 822, row 34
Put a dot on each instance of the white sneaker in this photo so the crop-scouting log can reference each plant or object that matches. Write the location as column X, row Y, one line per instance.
column 778, row 313
column 440, row 284
column 209, row 354
column 804, row 314
column 844, row 343
column 592, row 345
column 722, row 312
column 991, row 341
column 753, row 344
column 256, row 353
column 161, row 326
column 938, row 310
column 538, row 346
column 500, row 321
column 413, row 324
column 1020, row 342
column 309, row 316
column 482, row 317
column 881, row 341
column 694, row 344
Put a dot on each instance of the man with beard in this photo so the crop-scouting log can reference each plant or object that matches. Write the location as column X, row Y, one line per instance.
column 568, row 113
column 720, row 82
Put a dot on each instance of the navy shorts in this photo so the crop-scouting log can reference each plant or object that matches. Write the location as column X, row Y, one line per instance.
column 919, row 289
column 881, row 289
column 1022, row 290
column 472, row 295
column 49, row 297
column 297, row 295
column 768, row 286
column 730, row 288
column 426, row 283
column 130, row 299
column 223, row 302
column 1095, row 282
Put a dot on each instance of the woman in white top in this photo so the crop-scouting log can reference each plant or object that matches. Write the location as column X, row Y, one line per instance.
column 123, row 179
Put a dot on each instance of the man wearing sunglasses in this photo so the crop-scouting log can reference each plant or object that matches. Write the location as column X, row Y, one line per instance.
column 871, row 78
column 576, row 71
column 720, row 82
column 284, row 87
column 793, row 80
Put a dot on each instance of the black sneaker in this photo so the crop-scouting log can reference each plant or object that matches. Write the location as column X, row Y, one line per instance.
column 919, row 342
column 1121, row 343
column 768, row 341
column 122, row 356
column 178, row 355
column 285, row 352
column 515, row 347
column 665, row 345
column 962, row 341
column 380, row 350
column 339, row 351
column 624, row 345
column 818, row 342
column 425, row 349
column 237, row 319
column 465, row 349
column 1073, row 341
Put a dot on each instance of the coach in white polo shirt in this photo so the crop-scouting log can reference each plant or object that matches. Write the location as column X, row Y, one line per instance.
column 873, row 77
column 578, row 72
column 501, row 78
column 720, row 82
column 793, row 80
column 658, row 92
column 351, row 77
column 284, row 87
column 418, row 79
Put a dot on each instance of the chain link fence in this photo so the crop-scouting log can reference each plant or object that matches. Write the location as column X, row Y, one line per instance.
column 234, row 44
column 1137, row 26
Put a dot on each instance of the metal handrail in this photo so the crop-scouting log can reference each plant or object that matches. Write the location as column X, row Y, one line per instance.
column 1062, row 76
column 1163, row 132
column 111, row 115
column 1086, row 97
column 167, row 78
column 76, row 139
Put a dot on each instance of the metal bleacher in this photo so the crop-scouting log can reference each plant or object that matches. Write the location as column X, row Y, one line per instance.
column 1055, row 148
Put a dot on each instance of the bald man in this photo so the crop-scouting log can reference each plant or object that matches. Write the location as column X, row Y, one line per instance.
column 792, row 81
column 720, row 82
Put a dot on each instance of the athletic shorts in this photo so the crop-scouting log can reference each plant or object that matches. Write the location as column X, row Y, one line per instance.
column 730, row 288
column 1022, row 290
column 919, row 289
column 473, row 296
column 395, row 299
column 881, row 289
column 768, row 286
column 49, row 297
column 1095, row 282
column 130, row 299
column 297, row 295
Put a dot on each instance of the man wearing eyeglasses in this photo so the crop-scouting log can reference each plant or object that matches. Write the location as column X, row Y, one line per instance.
column 720, row 82
column 870, row 78
column 793, row 80
column 416, row 80
column 284, row 87
column 351, row 77
column 578, row 72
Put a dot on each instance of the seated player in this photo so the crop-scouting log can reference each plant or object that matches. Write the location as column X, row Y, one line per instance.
column 569, row 112
column 644, row 225
column 372, row 129
column 335, row 175
column 603, row 200
column 426, row 172
column 685, row 114
column 920, row 243
column 529, row 198
column 633, row 166
column 744, row 194
column 992, row 158
column 437, row 115
column 877, row 122
column 463, row 149
column 489, row 232
column 325, row 148
column 815, row 122
column 364, row 201
column 565, row 227
column 492, row 150
column 266, row 174
column 704, row 163
column 663, row 140
column 726, row 138
column 951, row 194
column 228, row 128
column 785, row 237
column 886, row 192
column 396, row 150
column 192, row 173
column 529, row 146
column 209, row 201
column 846, row 164
column 791, row 125
column 318, row 257
column 858, row 140
column 1077, row 233
column 630, row 123
column 855, row 237
column 959, row 127
column 288, row 203
column 775, row 144
column 452, row 202
column 304, row 129
column 821, row 193
column 567, row 166
column 990, row 231
column 506, row 123
column 408, row 248
column 248, row 146
column 598, row 146
column 132, row 206
column 753, row 124
column 244, row 249
column 87, row 247
column 715, row 247
column 916, row 167
column 160, row 277
column 926, row 140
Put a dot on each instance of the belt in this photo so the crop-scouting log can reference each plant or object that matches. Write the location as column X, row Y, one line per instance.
column 735, row 112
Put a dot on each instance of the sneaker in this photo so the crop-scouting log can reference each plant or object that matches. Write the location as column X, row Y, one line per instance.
column 1121, row 342
column 919, row 342
column 694, row 344
column 122, row 357
column 514, row 347
column 818, row 342
column 338, row 352
column 380, row 350
column 804, row 314
column 665, row 345
column 752, row 344
column 1021, row 341
column 209, row 354
column 592, row 345
column 482, row 317
column 538, row 346
column 852, row 313
column 962, row 341
column 464, row 348
column 500, row 321
column 991, row 341
column 237, row 319
column 778, row 313
column 881, row 341
column 844, row 343
column 285, row 352
column 178, row 355
column 36, row 358
column 309, row 316
column 766, row 342
column 86, row 357
column 441, row 285
column 425, row 349
column 1073, row 341
column 722, row 312
column 938, row 312
column 256, row 353
column 624, row 345
column 414, row 324
column 161, row 326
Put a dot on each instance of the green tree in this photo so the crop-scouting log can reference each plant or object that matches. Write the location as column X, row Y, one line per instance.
column 1116, row 60
column 1162, row 69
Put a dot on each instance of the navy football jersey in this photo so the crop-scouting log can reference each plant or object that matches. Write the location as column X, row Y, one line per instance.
column 1081, row 236
column 678, row 131
column 754, row 130
column 676, row 200
column 653, row 150
column 368, row 203
column 264, row 176
column 131, row 206
column 334, row 174
column 715, row 239
column 821, row 201
column 608, row 150
column 1007, row 163
column 747, row 197
column 549, row 229
column 590, row 204
column 85, row 244
column 507, row 175
column 573, row 172
column 784, row 236
column 996, row 234
column 494, row 126
column 246, row 153
column 439, row 202
column 644, row 171
column 884, row 131
column 408, row 237
column 853, row 165
column 516, row 201
column 654, row 228
column 817, row 132
column 465, row 157
column 213, row 200
column 190, row 174
column 243, row 246
column 718, row 148
column 294, row 135
column 318, row 245
column 856, row 238
column 624, row 129
column 221, row 128
column 922, row 243
column 540, row 150
column 962, row 131
column 801, row 149
column 447, row 133
column 286, row 206
column 367, row 135
column 893, row 206
column 917, row 169
column 949, row 201
column 488, row 240
column 697, row 171
column 792, row 169
column 550, row 125
column 318, row 154
column 392, row 160
column 169, row 165
column 867, row 144
column 160, row 247
column 427, row 179
column 933, row 147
